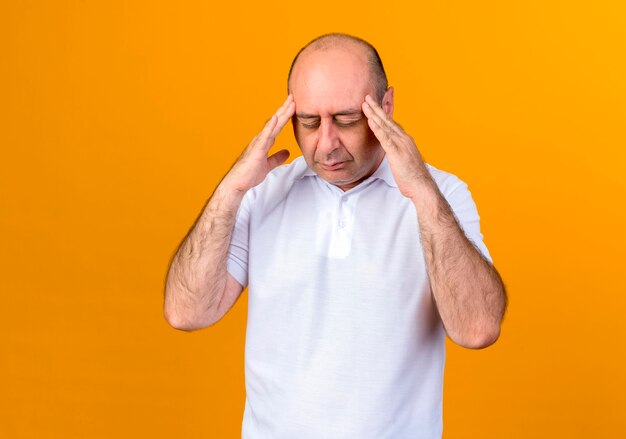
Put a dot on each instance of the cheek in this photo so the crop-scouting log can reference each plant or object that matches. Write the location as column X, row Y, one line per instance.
column 306, row 141
column 361, row 143
column 370, row 136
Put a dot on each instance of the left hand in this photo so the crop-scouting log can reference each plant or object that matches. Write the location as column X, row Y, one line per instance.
column 405, row 161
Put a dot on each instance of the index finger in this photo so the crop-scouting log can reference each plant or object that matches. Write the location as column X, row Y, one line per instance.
column 374, row 112
column 283, row 114
column 265, row 139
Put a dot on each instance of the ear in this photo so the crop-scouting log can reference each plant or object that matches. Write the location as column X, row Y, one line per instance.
column 387, row 103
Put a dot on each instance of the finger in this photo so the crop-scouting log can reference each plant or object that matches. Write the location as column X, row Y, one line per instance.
column 269, row 126
column 382, row 130
column 284, row 114
column 382, row 118
column 278, row 121
column 370, row 112
column 285, row 107
column 382, row 134
column 264, row 139
column 376, row 109
column 288, row 101
column 278, row 158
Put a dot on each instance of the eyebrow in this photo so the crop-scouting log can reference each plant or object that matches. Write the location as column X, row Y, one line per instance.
column 350, row 112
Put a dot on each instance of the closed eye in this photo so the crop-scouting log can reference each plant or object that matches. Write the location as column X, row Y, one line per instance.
column 343, row 119
column 310, row 125
column 347, row 121
column 341, row 124
column 345, row 124
column 308, row 121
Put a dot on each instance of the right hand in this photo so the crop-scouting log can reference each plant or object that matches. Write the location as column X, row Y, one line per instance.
column 253, row 165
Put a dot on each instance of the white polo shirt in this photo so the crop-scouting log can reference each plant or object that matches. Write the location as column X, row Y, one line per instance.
column 343, row 339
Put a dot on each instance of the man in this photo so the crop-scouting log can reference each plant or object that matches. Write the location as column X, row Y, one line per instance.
column 359, row 258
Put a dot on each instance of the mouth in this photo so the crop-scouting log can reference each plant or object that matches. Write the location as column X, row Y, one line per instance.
column 332, row 166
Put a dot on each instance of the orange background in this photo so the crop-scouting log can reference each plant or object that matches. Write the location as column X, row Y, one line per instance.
column 118, row 119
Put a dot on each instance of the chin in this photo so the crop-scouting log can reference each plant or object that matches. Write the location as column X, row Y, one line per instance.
column 336, row 178
column 344, row 183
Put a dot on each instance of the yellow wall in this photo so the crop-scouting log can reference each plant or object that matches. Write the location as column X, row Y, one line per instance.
column 118, row 118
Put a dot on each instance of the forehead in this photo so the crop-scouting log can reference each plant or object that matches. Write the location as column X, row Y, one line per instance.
column 331, row 80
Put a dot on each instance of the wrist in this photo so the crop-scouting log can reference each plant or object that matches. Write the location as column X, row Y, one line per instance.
column 225, row 200
column 424, row 188
column 427, row 198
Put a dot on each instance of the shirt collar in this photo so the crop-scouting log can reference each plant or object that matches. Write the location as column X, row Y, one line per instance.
column 383, row 172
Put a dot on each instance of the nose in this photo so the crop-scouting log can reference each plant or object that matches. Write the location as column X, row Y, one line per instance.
column 328, row 139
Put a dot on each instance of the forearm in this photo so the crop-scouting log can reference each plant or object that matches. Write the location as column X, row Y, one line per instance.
column 197, row 276
column 198, row 289
column 467, row 289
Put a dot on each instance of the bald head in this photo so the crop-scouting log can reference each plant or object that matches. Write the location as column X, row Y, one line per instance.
column 332, row 41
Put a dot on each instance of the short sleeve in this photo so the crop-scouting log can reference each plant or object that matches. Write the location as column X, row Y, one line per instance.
column 237, row 264
column 460, row 200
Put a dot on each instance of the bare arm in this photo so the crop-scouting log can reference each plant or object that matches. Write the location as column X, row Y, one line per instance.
column 467, row 289
column 198, row 288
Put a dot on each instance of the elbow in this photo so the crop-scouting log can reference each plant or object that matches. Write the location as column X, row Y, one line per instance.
column 486, row 339
column 184, row 316
column 183, row 322
column 478, row 339
column 484, row 330
column 180, row 324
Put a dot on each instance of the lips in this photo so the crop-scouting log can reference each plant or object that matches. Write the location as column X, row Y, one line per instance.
column 332, row 166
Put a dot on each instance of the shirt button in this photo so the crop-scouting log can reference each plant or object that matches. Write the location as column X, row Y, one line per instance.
column 342, row 224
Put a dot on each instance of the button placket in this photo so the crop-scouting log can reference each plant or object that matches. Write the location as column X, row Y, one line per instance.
column 341, row 238
column 343, row 214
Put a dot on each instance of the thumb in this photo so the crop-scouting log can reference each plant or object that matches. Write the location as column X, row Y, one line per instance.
column 278, row 158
